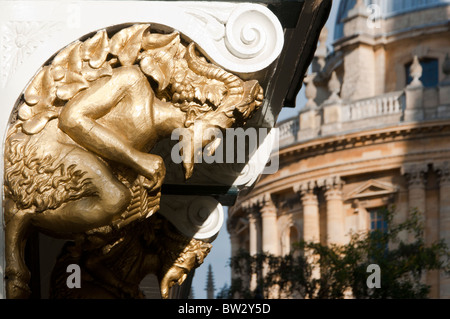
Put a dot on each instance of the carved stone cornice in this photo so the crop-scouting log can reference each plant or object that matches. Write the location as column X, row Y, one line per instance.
column 329, row 144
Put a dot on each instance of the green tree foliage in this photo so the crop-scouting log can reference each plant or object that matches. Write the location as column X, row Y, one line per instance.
column 343, row 268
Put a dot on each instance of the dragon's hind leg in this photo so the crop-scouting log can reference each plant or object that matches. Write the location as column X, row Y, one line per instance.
column 17, row 225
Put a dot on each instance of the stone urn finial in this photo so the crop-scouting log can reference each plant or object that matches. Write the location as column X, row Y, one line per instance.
column 334, row 86
column 416, row 72
column 310, row 91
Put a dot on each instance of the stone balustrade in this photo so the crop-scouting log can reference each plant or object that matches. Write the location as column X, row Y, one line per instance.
column 340, row 117
column 381, row 105
column 288, row 130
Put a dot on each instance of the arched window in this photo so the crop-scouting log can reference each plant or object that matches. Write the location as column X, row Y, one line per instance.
column 430, row 72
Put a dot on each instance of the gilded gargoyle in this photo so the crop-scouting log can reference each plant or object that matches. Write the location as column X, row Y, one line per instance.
column 77, row 152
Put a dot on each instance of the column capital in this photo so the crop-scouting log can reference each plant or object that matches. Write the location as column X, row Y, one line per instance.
column 332, row 182
column 305, row 187
column 250, row 209
column 247, row 205
column 268, row 207
column 309, row 198
column 252, row 215
column 415, row 175
column 333, row 187
column 443, row 171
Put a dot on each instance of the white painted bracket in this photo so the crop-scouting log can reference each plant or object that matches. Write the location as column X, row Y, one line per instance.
column 199, row 217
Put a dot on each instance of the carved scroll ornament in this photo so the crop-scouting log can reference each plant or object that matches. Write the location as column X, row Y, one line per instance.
column 77, row 154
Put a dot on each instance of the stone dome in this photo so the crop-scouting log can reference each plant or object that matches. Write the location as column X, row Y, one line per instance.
column 388, row 8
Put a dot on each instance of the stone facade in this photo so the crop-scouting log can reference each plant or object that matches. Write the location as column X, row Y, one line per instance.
column 369, row 137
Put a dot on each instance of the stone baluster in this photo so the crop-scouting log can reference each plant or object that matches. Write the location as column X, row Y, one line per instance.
column 396, row 105
column 334, row 86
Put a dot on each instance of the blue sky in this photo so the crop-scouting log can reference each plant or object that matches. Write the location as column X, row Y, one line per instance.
column 220, row 253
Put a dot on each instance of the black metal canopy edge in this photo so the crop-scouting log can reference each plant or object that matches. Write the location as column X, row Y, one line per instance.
column 226, row 195
column 320, row 11
column 298, row 53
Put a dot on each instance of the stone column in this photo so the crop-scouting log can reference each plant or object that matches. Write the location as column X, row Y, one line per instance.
column 415, row 177
column 310, row 205
column 253, row 232
column 335, row 211
column 311, row 222
column 444, row 221
column 234, row 243
column 252, row 214
column 253, row 249
column 270, row 240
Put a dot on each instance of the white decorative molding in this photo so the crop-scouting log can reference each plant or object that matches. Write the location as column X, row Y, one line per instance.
column 200, row 217
column 240, row 37
column 19, row 39
column 247, row 37
column 220, row 29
